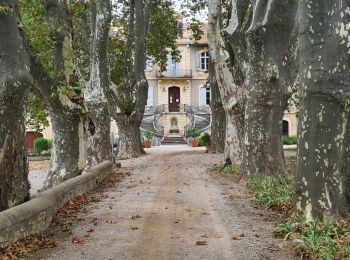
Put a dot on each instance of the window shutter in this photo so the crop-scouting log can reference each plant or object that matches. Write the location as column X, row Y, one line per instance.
column 198, row 60
column 203, row 96
column 150, row 96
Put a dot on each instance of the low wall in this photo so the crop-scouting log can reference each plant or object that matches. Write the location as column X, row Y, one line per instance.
column 36, row 215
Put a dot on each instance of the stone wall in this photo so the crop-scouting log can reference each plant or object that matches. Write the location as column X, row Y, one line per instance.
column 35, row 216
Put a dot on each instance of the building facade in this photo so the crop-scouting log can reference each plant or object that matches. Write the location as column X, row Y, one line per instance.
column 182, row 88
column 179, row 98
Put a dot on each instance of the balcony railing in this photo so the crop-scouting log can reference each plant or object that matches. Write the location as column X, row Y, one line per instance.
column 175, row 74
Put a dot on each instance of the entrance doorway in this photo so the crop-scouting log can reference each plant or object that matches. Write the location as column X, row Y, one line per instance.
column 174, row 99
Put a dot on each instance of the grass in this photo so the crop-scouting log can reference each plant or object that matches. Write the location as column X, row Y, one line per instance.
column 319, row 239
column 272, row 192
column 289, row 140
column 233, row 169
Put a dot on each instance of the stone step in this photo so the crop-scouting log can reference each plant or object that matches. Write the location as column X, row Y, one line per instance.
column 173, row 140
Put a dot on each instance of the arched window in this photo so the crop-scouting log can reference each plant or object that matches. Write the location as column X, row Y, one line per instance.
column 205, row 95
column 285, row 128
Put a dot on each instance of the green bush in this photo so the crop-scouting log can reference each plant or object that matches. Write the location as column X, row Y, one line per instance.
column 324, row 238
column 193, row 133
column 148, row 135
column 289, row 140
column 273, row 192
column 42, row 144
column 204, row 140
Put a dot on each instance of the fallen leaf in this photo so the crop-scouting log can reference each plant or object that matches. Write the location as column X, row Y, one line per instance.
column 202, row 243
column 238, row 237
column 78, row 240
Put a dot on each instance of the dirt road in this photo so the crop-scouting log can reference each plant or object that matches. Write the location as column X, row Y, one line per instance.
column 168, row 206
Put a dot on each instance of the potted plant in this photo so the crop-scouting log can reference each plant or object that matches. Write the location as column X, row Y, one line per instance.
column 148, row 141
column 194, row 135
column 205, row 141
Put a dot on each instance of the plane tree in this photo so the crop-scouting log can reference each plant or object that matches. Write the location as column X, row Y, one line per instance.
column 144, row 31
column 15, row 81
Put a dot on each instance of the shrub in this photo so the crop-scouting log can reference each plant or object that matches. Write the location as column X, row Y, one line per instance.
column 273, row 192
column 193, row 133
column 42, row 144
column 148, row 135
column 204, row 140
column 289, row 140
column 323, row 238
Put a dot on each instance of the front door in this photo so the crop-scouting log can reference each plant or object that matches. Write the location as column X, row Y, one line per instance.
column 174, row 99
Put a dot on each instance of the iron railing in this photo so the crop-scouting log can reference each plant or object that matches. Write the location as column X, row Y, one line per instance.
column 187, row 73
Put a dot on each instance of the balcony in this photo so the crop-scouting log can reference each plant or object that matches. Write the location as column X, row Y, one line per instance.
column 175, row 74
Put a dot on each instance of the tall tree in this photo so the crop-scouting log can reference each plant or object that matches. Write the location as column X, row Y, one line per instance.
column 229, row 80
column 258, row 40
column 57, row 83
column 323, row 130
column 97, row 123
column 146, row 29
column 14, row 82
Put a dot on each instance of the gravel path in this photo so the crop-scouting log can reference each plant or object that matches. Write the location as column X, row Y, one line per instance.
column 168, row 205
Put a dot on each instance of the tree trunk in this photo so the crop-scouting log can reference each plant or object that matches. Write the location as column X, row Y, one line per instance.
column 231, row 91
column 134, row 84
column 323, row 182
column 129, row 137
column 263, row 126
column 234, row 133
column 260, row 38
column 97, row 124
column 67, row 158
column 218, row 125
column 14, row 82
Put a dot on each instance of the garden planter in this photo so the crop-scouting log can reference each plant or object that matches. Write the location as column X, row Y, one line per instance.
column 148, row 143
column 194, row 143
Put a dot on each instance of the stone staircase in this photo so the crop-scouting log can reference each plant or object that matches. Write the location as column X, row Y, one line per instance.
column 173, row 140
column 197, row 117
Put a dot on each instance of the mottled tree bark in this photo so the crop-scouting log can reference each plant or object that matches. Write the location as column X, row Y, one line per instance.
column 232, row 92
column 97, row 123
column 14, row 82
column 67, row 158
column 268, row 75
column 218, row 124
column 323, row 152
column 254, row 50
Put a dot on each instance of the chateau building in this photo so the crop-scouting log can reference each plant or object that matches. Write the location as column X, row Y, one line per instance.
column 179, row 98
column 180, row 95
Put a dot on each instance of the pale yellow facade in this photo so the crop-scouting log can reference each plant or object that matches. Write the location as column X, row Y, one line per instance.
column 188, row 78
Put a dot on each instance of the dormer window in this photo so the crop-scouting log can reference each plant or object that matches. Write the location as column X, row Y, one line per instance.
column 204, row 60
